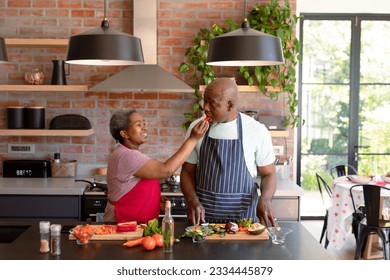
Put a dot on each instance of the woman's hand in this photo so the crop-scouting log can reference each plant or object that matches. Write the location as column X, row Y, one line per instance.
column 199, row 129
column 162, row 202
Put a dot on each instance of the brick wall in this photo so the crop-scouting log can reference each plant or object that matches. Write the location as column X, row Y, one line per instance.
column 178, row 23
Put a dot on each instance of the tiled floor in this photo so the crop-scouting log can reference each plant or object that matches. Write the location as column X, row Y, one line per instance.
column 345, row 253
column 312, row 206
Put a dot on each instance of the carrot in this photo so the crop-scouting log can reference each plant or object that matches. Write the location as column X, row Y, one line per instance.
column 134, row 242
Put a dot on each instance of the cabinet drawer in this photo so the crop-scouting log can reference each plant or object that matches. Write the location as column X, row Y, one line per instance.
column 286, row 208
column 40, row 206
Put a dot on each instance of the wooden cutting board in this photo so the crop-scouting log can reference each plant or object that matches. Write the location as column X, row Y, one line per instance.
column 239, row 236
column 115, row 236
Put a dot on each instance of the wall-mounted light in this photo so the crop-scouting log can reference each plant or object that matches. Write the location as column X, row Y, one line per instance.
column 3, row 51
column 245, row 47
column 104, row 46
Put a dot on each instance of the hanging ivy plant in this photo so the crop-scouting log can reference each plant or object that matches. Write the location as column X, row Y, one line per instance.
column 271, row 19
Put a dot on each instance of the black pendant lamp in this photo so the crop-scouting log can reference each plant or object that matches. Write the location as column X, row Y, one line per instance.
column 245, row 47
column 3, row 51
column 105, row 46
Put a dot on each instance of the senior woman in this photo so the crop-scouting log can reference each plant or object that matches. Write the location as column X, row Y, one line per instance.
column 133, row 178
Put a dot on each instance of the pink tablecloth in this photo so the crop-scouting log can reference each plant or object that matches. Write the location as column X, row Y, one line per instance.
column 339, row 226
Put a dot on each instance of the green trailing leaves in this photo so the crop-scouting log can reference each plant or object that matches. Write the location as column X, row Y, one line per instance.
column 273, row 19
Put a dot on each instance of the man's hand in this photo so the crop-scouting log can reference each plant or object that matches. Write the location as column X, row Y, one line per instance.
column 195, row 212
column 265, row 213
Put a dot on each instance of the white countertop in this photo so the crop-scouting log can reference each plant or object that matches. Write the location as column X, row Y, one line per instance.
column 41, row 186
column 68, row 186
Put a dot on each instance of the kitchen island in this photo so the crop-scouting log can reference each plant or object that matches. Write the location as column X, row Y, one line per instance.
column 300, row 245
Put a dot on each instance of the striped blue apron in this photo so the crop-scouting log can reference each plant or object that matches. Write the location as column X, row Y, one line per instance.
column 224, row 184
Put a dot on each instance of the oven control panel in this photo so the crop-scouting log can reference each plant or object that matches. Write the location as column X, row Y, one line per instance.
column 179, row 206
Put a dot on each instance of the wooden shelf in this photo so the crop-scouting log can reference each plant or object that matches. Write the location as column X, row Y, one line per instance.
column 43, row 42
column 29, row 42
column 43, row 88
column 279, row 133
column 248, row 88
column 45, row 132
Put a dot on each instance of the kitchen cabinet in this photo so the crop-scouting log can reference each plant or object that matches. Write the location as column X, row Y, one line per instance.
column 40, row 207
column 286, row 202
column 287, row 208
column 40, row 198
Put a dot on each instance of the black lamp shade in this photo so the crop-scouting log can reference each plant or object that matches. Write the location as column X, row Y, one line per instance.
column 245, row 47
column 3, row 51
column 104, row 46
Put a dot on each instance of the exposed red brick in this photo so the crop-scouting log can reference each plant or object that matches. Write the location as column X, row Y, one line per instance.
column 226, row 5
column 121, row 95
column 69, row 4
column 145, row 95
column 178, row 23
column 82, row 13
column 170, row 41
column 84, row 104
column 19, row 3
column 170, row 23
column 57, row 104
column 196, row 5
column 44, row 3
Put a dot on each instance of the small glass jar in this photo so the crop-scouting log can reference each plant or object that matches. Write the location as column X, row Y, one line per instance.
column 44, row 231
column 55, row 244
column 35, row 77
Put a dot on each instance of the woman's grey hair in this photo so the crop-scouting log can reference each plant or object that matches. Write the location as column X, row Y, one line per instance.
column 120, row 121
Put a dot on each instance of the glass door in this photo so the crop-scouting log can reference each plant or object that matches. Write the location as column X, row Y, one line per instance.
column 371, row 152
column 344, row 99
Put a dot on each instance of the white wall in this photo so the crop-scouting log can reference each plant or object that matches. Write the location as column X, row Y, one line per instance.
column 343, row 6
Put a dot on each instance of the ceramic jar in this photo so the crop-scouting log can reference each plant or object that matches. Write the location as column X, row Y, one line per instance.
column 35, row 77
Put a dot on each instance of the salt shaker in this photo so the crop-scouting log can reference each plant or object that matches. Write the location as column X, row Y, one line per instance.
column 55, row 244
column 57, row 157
column 44, row 231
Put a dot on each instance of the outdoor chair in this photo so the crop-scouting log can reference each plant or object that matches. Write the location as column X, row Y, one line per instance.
column 326, row 194
column 342, row 170
column 372, row 222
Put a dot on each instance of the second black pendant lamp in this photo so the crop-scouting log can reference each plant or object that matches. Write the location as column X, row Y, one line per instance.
column 245, row 47
column 104, row 46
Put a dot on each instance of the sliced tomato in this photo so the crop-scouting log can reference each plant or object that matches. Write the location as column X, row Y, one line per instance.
column 127, row 226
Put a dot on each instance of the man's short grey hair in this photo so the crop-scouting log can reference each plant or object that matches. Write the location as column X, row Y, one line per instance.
column 120, row 121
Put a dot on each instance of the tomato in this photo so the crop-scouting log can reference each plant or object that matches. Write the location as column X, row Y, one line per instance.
column 148, row 243
column 159, row 239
